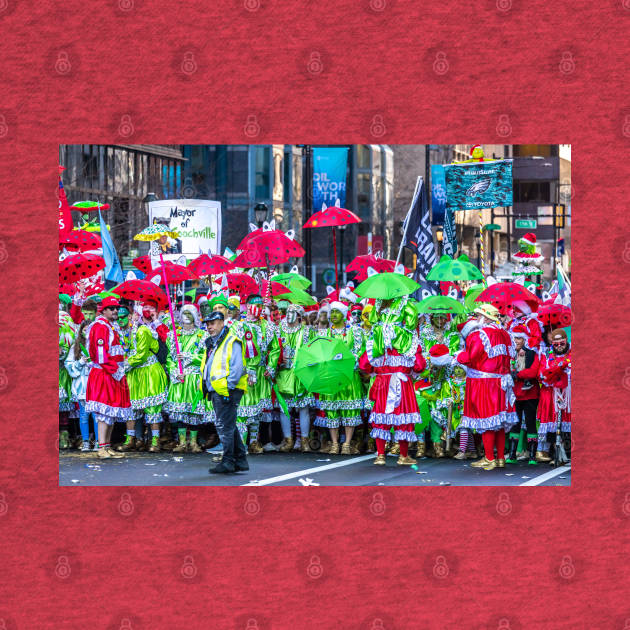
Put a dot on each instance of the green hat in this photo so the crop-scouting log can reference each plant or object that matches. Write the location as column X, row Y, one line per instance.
column 123, row 311
column 219, row 299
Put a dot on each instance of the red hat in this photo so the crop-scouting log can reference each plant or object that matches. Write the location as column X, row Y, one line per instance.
column 108, row 301
column 439, row 355
column 150, row 302
column 423, row 383
column 520, row 331
column 530, row 238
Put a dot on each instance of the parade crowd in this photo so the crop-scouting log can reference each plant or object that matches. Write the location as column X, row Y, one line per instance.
column 488, row 384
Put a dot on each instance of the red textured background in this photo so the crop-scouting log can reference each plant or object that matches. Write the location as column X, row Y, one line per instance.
column 558, row 558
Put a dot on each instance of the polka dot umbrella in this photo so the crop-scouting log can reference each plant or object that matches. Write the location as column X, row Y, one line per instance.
column 504, row 294
column 361, row 264
column 206, row 265
column 332, row 216
column 79, row 266
column 555, row 315
column 143, row 263
column 268, row 248
column 171, row 273
column 81, row 241
column 241, row 282
column 455, row 270
column 141, row 290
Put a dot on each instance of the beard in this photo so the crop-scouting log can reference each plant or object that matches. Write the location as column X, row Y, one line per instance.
column 560, row 351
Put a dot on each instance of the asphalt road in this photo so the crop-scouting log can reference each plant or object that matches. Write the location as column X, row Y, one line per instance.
column 295, row 469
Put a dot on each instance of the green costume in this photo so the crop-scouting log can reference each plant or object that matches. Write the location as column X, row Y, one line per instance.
column 344, row 408
column 66, row 340
column 262, row 351
column 146, row 377
column 182, row 396
column 440, row 393
column 291, row 339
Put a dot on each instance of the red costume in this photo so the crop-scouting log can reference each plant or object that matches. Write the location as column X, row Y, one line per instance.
column 555, row 394
column 107, row 394
column 489, row 399
column 393, row 392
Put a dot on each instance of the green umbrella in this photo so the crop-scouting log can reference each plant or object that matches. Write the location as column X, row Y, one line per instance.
column 297, row 296
column 386, row 286
column 103, row 294
column 454, row 270
column 325, row 365
column 438, row 304
column 292, row 280
column 471, row 295
column 65, row 298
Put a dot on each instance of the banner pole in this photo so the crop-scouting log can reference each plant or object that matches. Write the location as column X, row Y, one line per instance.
column 413, row 199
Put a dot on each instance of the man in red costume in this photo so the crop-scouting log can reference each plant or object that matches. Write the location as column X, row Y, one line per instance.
column 555, row 394
column 524, row 316
column 107, row 394
column 489, row 399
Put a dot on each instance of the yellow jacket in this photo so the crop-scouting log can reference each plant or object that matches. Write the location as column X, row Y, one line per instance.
column 220, row 366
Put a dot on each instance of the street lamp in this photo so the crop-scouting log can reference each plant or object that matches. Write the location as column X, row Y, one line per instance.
column 151, row 196
column 260, row 212
column 439, row 235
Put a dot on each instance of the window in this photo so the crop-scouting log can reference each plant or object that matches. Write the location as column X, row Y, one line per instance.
column 237, row 171
column 262, row 160
column 363, row 156
column 287, row 178
column 363, row 196
column 531, row 191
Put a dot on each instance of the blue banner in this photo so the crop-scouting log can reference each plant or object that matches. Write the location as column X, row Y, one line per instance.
column 477, row 185
column 329, row 176
column 438, row 194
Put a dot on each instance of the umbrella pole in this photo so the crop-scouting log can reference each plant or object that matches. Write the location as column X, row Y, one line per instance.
column 170, row 310
column 335, row 249
column 268, row 279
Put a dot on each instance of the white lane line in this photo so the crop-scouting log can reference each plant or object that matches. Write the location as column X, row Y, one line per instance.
column 310, row 471
column 548, row 475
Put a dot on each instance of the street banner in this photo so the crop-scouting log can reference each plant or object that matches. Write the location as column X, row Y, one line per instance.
column 477, row 185
column 65, row 215
column 418, row 235
column 329, row 176
column 449, row 235
column 197, row 222
column 438, row 194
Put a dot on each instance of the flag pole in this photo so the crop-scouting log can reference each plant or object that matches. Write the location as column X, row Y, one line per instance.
column 413, row 199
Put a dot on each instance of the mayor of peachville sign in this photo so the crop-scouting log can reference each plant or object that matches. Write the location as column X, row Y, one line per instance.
column 197, row 222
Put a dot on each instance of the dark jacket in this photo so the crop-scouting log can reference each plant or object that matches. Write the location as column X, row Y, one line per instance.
column 526, row 385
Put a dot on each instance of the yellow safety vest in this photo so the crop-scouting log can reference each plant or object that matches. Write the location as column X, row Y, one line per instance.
column 220, row 367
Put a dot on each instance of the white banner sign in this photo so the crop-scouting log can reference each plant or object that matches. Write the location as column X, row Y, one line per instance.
column 197, row 221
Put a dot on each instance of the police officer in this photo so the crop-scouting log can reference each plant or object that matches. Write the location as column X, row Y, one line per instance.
column 223, row 381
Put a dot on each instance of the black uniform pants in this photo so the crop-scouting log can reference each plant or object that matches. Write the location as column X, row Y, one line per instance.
column 234, row 451
column 526, row 411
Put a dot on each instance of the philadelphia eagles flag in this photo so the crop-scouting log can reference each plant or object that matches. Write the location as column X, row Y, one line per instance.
column 417, row 232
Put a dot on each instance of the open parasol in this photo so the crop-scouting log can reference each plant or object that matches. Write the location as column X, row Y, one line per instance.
column 440, row 304
column 206, row 265
column 504, row 294
column 361, row 264
column 141, row 290
column 456, row 270
column 555, row 315
column 79, row 266
column 171, row 273
column 89, row 206
column 386, row 286
column 81, row 241
column 153, row 233
column 332, row 216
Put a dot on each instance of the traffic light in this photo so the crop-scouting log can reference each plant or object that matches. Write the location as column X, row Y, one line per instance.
column 559, row 215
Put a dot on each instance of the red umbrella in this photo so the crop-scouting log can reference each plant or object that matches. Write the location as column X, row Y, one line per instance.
column 332, row 216
column 555, row 315
column 361, row 263
column 504, row 294
column 245, row 242
column 271, row 247
column 205, row 265
column 81, row 241
column 79, row 266
column 276, row 288
column 175, row 274
column 241, row 282
column 141, row 290
column 143, row 263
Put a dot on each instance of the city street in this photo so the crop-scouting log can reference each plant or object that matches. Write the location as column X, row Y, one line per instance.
column 295, row 469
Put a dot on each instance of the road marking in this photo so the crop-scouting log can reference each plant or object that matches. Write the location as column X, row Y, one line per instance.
column 536, row 481
column 310, row 471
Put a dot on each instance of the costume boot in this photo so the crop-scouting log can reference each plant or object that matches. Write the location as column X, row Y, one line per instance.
column 421, row 449
column 532, row 453
column 438, row 450
column 183, row 444
column 255, row 448
column 395, row 449
column 512, row 444
column 287, row 445
column 155, row 445
column 128, row 445
column 194, row 446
